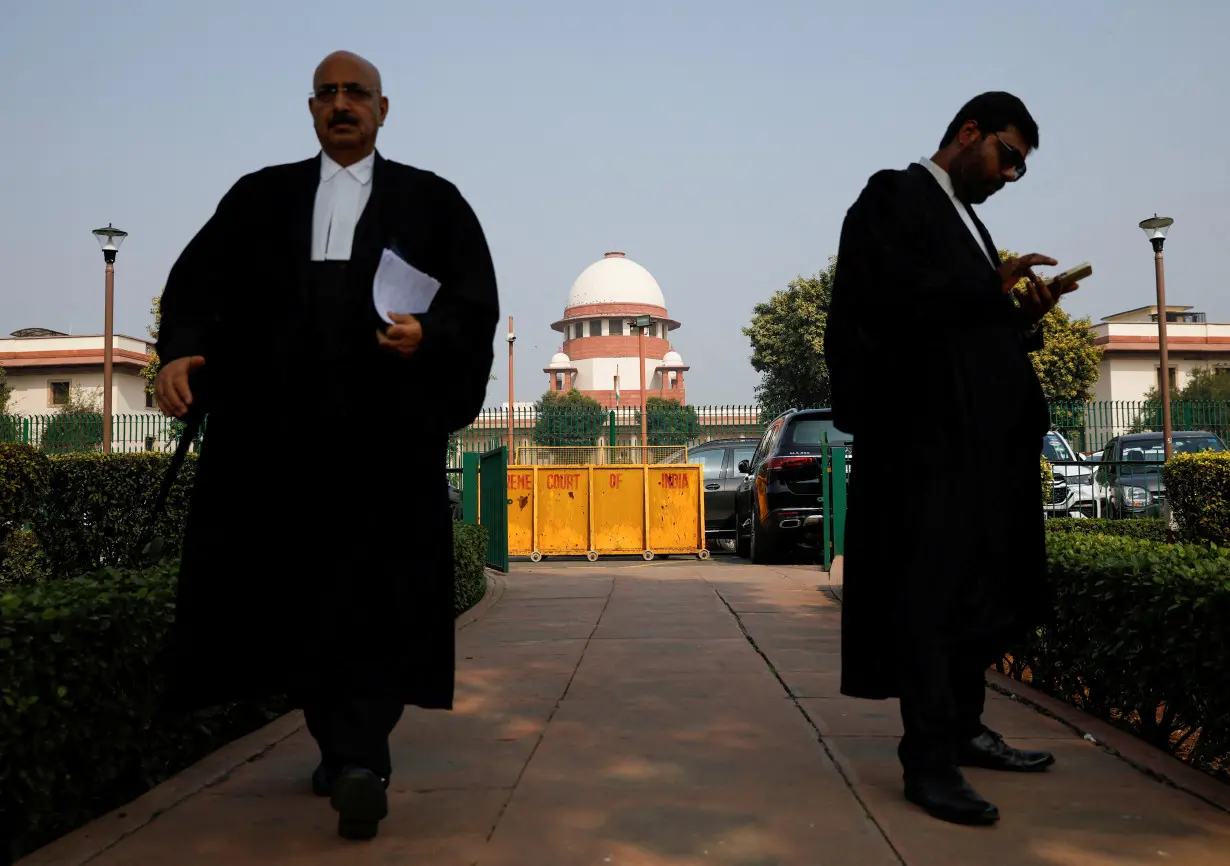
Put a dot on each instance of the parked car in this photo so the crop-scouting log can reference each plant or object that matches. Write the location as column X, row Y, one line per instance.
column 720, row 458
column 780, row 503
column 454, row 500
column 1130, row 470
column 1080, row 500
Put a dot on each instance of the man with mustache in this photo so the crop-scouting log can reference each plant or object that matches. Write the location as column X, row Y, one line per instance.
column 926, row 345
column 317, row 556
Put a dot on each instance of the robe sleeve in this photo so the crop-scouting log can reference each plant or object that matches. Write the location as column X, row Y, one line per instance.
column 460, row 326
column 189, row 307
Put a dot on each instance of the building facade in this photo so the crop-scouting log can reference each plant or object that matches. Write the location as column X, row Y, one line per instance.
column 44, row 367
column 1131, row 365
column 600, row 353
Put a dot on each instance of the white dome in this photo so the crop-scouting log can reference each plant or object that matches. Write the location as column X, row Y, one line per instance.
column 615, row 279
column 559, row 359
column 672, row 359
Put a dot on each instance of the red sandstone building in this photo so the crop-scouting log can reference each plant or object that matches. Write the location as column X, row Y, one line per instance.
column 600, row 354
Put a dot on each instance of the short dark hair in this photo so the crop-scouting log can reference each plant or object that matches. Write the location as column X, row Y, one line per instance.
column 995, row 111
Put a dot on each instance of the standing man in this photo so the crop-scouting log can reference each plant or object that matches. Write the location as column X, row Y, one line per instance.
column 927, row 343
column 317, row 556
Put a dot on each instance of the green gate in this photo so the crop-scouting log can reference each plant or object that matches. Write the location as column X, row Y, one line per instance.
column 833, row 472
column 493, row 505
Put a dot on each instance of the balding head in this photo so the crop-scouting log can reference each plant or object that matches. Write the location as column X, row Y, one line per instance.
column 349, row 60
column 348, row 106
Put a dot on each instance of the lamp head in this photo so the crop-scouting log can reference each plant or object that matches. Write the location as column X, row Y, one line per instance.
column 110, row 239
column 1155, row 229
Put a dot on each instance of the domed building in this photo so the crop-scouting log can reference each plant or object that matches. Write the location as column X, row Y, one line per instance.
column 600, row 353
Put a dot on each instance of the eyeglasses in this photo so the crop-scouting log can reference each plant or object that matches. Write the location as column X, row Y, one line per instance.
column 352, row 89
column 1013, row 157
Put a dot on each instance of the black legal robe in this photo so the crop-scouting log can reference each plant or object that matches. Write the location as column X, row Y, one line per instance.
column 931, row 375
column 318, row 547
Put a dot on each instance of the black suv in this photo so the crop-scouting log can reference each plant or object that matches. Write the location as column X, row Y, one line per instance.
column 1129, row 474
column 781, row 503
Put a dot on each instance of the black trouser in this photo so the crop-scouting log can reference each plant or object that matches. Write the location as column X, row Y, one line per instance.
column 943, row 692
column 354, row 731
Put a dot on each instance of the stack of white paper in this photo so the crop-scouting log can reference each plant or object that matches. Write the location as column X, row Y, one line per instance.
column 401, row 288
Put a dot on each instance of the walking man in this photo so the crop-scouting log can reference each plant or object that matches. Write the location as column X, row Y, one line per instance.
column 926, row 346
column 317, row 556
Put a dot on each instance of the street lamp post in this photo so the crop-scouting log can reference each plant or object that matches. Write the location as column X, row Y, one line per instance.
column 642, row 325
column 512, row 338
column 1155, row 229
column 109, row 239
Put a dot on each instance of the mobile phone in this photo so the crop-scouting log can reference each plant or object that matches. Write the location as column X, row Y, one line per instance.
column 1071, row 275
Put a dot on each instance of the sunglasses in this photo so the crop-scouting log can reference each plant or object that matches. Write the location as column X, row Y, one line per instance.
column 1009, row 155
column 352, row 89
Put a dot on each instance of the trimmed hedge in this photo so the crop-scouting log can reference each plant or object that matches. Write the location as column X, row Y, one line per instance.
column 1151, row 528
column 98, row 505
column 25, row 474
column 469, row 565
column 80, row 679
column 1139, row 638
column 80, row 731
column 22, row 560
column 1199, row 490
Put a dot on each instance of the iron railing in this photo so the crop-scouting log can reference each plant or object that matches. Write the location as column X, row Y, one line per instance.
column 1088, row 426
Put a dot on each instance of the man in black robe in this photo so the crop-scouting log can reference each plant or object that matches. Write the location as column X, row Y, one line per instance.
column 317, row 555
column 928, row 354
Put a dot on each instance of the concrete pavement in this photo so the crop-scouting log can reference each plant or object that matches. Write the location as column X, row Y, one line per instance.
column 672, row 713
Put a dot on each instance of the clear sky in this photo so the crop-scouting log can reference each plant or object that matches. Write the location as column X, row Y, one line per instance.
column 716, row 143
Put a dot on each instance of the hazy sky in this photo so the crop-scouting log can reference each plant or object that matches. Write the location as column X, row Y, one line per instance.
column 719, row 144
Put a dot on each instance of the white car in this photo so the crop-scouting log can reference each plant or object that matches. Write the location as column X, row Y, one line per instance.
column 1082, row 499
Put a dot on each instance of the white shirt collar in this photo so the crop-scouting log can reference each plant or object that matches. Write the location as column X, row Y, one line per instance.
column 360, row 171
column 940, row 176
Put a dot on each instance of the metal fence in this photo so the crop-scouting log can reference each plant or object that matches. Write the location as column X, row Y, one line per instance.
column 83, row 433
column 1088, row 426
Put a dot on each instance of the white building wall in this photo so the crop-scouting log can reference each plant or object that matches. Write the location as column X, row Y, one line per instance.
column 598, row 374
column 31, row 390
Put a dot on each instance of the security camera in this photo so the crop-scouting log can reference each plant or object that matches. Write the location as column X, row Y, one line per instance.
column 512, row 338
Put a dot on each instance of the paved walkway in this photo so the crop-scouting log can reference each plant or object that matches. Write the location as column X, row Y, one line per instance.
column 680, row 713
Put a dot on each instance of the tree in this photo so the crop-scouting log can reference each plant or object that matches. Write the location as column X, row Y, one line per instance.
column 1204, row 386
column 668, row 422
column 1068, row 363
column 787, row 336
column 77, row 425
column 6, row 391
column 150, row 371
column 567, row 420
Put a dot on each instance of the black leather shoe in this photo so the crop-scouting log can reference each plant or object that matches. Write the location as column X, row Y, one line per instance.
column 323, row 778
column 989, row 751
column 949, row 797
column 361, row 802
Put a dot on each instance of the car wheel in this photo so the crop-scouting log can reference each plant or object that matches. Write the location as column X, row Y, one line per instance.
column 762, row 548
column 742, row 545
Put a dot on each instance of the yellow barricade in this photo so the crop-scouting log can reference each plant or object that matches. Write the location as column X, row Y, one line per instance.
column 606, row 510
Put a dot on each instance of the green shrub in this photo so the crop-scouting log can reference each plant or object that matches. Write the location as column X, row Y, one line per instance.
column 1199, row 490
column 1139, row 637
column 80, row 732
column 24, row 477
column 97, row 509
column 1048, row 480
column 82, row 676
column 469, row 564
column 22, row 560
column 1152, row 528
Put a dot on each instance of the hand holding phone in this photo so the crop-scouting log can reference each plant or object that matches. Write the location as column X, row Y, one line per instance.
column 1065, row 282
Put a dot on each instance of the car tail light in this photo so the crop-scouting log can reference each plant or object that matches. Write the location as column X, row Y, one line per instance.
column 790, row 462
